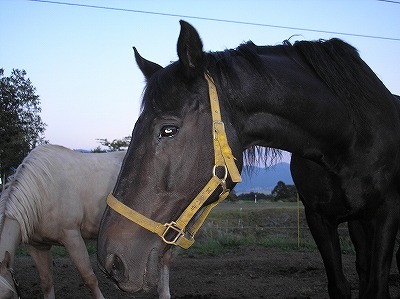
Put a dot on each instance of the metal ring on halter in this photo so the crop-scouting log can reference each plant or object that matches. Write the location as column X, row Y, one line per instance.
column 222, row 180
column 214, row 172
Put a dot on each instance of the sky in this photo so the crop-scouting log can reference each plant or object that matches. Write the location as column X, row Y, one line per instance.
column 80, row 59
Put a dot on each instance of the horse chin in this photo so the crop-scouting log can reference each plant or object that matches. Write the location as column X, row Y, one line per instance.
column 134, row 283
column 152, row 271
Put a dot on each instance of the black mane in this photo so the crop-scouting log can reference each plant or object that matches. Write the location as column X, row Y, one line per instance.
column 335, row 62
column 339, row 65
column 220, row 64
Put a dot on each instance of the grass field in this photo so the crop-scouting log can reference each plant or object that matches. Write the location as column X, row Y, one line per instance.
column 232, row 224
column 271, row 224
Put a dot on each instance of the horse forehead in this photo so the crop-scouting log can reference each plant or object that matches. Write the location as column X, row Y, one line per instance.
column 171, row 93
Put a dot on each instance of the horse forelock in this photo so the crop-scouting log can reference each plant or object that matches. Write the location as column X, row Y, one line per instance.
column 160, row 92
column 28, row 189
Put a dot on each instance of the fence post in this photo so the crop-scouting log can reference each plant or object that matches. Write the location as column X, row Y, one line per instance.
column 298, row 221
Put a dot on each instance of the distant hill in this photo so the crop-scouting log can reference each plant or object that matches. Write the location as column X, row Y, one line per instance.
column 263, row 180
column 82, row 150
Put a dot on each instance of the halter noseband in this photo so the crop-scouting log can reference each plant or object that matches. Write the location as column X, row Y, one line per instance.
column 223, row 159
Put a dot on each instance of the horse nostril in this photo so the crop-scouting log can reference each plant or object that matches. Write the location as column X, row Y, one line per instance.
column 116, row 268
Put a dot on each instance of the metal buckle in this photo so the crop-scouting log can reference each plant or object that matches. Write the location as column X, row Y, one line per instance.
column 215, row 129
column 173, row 226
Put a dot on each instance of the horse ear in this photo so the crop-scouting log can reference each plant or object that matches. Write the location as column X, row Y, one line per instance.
column 190, row 50
column 147, row 67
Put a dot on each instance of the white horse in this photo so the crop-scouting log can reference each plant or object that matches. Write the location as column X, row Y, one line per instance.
column 57, row 197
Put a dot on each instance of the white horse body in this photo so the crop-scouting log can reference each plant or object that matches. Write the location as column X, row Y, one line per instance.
column 57, row 197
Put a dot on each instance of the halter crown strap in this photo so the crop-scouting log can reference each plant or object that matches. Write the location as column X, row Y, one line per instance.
column 224, row 155
column 184, row 236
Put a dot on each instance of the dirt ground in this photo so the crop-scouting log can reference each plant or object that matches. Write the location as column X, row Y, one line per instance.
column 248, row 272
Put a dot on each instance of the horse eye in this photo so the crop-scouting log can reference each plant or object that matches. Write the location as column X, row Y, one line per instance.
column 168, row 131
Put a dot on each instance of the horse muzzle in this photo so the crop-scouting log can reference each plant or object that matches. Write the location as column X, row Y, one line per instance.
column 141, row 275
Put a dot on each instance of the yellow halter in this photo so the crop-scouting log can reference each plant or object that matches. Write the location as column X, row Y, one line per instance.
column 223, row 158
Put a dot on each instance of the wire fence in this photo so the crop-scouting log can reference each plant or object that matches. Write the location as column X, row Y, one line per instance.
column 295, row 233
column 284, row 226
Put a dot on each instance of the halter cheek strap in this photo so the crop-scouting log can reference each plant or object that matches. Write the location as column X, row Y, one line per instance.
column 183, row 236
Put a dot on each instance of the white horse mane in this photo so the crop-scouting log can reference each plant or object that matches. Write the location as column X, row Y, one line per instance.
column 20, row 200
column 4, row 282
column 8, row 286
column 3, row 197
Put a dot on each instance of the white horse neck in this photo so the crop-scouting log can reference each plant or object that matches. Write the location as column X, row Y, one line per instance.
column 10, row 237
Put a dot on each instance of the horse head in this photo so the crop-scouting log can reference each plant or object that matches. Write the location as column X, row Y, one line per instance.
column 8, row 284
column 170, row 165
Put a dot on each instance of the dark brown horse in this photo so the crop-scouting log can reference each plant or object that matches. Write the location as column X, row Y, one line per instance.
column 318, row 100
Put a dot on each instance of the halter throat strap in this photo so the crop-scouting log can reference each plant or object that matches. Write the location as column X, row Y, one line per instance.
column 182, row 235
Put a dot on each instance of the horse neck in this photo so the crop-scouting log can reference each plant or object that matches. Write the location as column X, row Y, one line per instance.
column 281, row 111
column 10, row 238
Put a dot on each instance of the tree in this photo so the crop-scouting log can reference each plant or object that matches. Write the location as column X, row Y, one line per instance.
column 253, row 195
column 113, row 146
column 284, row 192
column 232, row 196
column 21, row 128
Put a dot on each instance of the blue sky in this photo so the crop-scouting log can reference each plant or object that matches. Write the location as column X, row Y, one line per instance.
column 81, row 61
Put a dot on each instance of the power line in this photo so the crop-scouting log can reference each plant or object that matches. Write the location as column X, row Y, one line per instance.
column 389, row 1
column 219, row 20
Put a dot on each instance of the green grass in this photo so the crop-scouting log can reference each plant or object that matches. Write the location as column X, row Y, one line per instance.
column 272, row 225
column 228, row 242
column 232, row 225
